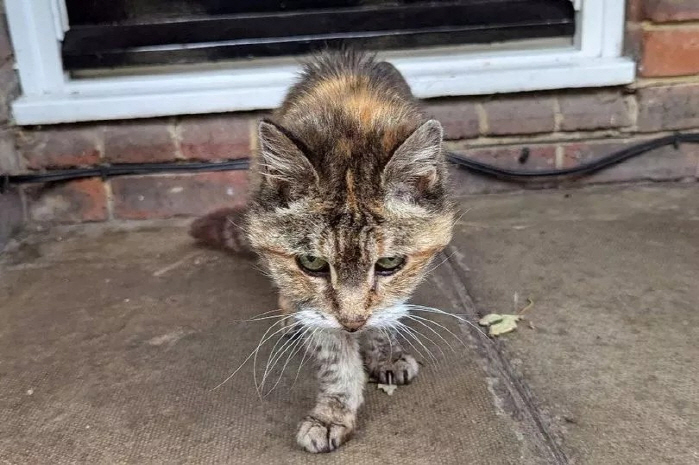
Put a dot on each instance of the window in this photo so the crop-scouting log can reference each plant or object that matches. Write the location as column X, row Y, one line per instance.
column 125, row 33
column 82, row 60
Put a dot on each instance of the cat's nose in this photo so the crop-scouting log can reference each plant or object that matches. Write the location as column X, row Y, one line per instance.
column 353, row 324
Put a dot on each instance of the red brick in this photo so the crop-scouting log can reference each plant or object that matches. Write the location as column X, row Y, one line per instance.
column 70, row 202
column 140, row 142
column 60, row 147
column 5, row 45
column 662, row 11
column 541, row 156
column 597, row 110
column 141, row 197
column 668, row 108
column 459, row 118
column 673, row 52
column 520, row 115
column 633, row 41
column 634, row 10
column 662, row 164
column 11, row 214
column 9, row 89
column 215, row 137
column 8, row 153
column 467, row 182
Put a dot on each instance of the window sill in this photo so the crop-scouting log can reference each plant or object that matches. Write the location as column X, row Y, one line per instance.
column 264, row 86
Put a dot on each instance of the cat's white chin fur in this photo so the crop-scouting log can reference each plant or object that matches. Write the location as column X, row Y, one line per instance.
column 385, row 318
column 311, row 318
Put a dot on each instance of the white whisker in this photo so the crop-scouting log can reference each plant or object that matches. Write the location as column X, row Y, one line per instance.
column 440, row 263
column 270, row 317
column 309, row 344
column 293, row 350
column 283, row 330
column 390, row 342
column 263, row 313
column 274, row 357
column 421, row 308
column 418, row 320
column 228, row 218
column 400, row 333
column 441, row 326
column 253, row 353
column 408, row 330
column 419, row 333
column 275, row 354
column 461, row 216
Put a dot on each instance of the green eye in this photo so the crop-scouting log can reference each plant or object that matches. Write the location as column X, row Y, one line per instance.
column 312, row 264
column 389, row 265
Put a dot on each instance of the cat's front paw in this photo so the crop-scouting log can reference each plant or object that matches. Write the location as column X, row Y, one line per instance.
column 321, row 436
column 401, row 370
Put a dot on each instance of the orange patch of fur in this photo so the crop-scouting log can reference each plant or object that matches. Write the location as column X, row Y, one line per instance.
column 278, row 252
column 428, row 252
column 352, row 203
column 353, row 95
column 392, row 137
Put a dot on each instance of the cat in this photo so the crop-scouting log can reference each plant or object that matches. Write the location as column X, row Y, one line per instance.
column 349, row 205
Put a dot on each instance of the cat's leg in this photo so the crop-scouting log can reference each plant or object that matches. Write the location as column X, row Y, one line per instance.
column 342, row 380
column 385, row 358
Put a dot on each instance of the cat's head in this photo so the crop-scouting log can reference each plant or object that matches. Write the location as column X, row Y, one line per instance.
column 348, row 235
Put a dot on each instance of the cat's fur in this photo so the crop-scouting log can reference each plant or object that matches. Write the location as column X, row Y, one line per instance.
column 349, row 170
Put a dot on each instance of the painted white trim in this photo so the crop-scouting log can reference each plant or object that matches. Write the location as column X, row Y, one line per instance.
column 37, row 50
column 91, row 105
column 591, row 24
column 60, row 15
column 50, row 97
column 613, row 34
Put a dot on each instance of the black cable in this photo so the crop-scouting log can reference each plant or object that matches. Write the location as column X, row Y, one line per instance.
column 109, row 171
column 579, row 170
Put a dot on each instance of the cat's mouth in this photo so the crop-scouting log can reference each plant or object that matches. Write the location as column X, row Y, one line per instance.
column 384, row 318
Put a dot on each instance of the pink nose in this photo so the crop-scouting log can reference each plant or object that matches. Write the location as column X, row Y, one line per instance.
column 354, row 324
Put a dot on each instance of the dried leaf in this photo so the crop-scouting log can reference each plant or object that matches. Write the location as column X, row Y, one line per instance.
column 499, row 324
column 489, row 319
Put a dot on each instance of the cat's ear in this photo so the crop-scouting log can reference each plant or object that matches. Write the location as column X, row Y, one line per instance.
column 414, row 169
column 282, row 163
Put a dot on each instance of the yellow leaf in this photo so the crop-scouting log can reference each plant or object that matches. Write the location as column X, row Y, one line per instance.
column 489, row 319
column 499, row 324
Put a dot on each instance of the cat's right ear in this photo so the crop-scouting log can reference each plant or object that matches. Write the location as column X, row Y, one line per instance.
column 282, row 163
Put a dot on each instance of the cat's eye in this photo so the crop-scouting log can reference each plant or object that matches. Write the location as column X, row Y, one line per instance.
column 312, row 264
column 388, row 265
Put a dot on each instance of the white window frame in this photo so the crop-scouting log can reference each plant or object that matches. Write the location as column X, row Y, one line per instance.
column 50, row 95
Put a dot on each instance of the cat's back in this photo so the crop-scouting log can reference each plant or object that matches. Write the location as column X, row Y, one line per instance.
column 348, row 99
column 341, row 78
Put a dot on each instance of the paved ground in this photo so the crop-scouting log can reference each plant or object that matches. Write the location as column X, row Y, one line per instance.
column 614, row 274
column 111, row 343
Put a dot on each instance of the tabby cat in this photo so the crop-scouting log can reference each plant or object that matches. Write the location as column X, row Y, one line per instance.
column 348, row 208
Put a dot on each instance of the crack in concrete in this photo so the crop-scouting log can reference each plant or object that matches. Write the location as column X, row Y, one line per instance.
column 518, row 396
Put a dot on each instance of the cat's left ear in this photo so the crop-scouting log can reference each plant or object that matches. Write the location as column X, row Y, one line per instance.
column 282, row 162
column 414, row 167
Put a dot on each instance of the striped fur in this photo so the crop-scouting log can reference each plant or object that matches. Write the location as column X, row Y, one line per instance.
column 350, row 170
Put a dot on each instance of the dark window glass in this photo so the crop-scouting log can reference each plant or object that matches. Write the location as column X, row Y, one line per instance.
column 147, row 32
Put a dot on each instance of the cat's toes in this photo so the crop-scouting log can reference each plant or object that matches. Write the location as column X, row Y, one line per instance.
column 319, row 436
column 399, row 371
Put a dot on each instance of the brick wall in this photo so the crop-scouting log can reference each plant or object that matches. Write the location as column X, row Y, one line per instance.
column 196, row 138
column 560, row 129
column 11, row 211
